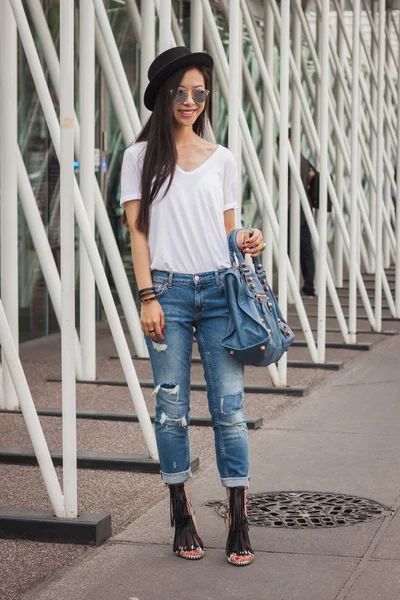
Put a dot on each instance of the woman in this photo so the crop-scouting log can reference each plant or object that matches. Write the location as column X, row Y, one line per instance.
column 179, row 193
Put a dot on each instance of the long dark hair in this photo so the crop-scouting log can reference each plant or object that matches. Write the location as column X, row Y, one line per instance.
column 160, row 157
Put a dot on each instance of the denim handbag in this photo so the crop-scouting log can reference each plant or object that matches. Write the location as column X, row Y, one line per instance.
column 257, row 333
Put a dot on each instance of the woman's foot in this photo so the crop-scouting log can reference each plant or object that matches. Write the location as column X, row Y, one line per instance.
column 187, row 542
column 238, row 547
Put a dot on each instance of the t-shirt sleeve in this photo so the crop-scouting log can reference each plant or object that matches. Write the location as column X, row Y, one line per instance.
column 130, row 176
column 230, row 183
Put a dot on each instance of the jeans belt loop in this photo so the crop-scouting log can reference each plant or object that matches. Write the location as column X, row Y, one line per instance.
column 217, row 278
column 170, row 278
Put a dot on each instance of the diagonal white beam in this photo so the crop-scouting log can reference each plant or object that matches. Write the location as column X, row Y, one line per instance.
column 212, row 30
column 42, row 246
column 332, row 191
column 102, row 220
column 116, row 61
column 294, row 170
column 8, row 189
column 84, row 226
column 32, row 421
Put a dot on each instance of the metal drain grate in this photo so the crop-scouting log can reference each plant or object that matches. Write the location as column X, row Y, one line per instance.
column 297, row 510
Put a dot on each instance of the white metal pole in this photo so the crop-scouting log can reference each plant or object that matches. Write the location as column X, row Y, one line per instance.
column 30, row 416
column 174, row 23
column 366, row 98
column 43, row 250
column 196, row 26
column 365, row 151
column 221, row 71
column 164, row 16
column 134, row 15
column 268, row 134
column 103, row 223
column 67, row 244
column 343, row 147
column 373, row 137
column 317, row 113
column 147, row 50
column 354, row 215
column 283, row 171
column 115, row 326
column 379, row 165
column 102, row 220
column 128, row 131
column 90, row 243
column 323, row 181
column 339, row 166
column 86, row 181
column 235, row 72
column 388, row 148
column 300, row 187
column 252, row 162
column 296, row 145
column 177, row 36
column 116, row 61
column 332, row 191
column 242, row 60
column 397, row 293
column 8, row 189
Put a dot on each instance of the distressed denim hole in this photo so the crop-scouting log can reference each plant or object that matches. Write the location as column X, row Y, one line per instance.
column 159, row 346
column 171, row 389
column 170, row 411
column 172, row 421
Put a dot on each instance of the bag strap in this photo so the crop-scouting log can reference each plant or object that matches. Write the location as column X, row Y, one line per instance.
column 237, row 255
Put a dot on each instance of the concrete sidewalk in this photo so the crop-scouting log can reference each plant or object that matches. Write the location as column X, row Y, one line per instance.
column 343, row 438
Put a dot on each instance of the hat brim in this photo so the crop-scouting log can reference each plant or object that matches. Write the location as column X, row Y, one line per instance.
column 196, row 59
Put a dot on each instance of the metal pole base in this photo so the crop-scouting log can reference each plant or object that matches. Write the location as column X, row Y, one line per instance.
column 111, row 461
column 41, row 525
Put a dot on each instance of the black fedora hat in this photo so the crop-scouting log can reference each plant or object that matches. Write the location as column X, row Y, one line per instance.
column 169, row 62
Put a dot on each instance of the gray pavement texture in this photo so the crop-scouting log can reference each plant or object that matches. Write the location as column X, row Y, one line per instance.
column 342, row 437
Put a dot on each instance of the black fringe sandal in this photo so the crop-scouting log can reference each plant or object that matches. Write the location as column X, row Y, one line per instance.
column 186, row 540
column 238, row 542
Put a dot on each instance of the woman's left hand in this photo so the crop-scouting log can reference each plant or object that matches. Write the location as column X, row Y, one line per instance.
column 254, row 245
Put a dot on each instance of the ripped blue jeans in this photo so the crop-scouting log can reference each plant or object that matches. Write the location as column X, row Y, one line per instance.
column 194, row 305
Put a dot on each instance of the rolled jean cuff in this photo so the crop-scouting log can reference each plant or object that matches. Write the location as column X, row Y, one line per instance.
column 235, row 482
column 172, row 478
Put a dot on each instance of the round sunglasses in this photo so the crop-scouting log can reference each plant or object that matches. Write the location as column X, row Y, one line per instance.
column 199, row 96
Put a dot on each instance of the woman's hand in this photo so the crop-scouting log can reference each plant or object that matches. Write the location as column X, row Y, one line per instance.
column 152, row 320
column 253, row 245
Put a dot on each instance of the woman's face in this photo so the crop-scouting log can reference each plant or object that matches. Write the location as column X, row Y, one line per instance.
column 185, row 114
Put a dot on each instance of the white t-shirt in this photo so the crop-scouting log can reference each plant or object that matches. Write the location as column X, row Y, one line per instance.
column 187, row 232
